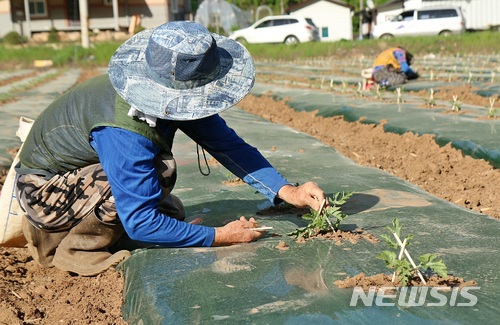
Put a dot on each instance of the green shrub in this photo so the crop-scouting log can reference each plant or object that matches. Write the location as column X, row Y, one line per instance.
column 14, row 38
column 53, row 36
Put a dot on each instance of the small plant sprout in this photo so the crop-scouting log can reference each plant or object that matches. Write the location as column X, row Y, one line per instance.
column 470, row 78
column 406, row 268
column 431, row 77
column 399, row 95
column 344, row 86
column 231, row 179
column 431, row 101
column 319, row 221
column 449, row 77
column 492, row 110
column 331, row 84
column 322, row 83
column 359, row 91
column 492, row 77
column 455, row 104
column 378, row 92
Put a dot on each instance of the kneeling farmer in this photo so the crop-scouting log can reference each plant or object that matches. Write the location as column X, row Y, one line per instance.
column 392, row 67
column 97, row 164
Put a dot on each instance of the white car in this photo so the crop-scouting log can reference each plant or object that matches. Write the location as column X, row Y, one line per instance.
column 421, row 22
column 278, row 29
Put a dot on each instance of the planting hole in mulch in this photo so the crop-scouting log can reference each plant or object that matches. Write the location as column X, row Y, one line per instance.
column 384, row 280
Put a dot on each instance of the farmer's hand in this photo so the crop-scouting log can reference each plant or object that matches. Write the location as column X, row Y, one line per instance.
column 307, row 194
column 236, row 232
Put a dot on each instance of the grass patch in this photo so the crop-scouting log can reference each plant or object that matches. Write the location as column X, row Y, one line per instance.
column 62, row 54
column 455, row 45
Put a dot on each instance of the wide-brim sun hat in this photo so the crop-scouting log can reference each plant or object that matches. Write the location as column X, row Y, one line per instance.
column 181, row 71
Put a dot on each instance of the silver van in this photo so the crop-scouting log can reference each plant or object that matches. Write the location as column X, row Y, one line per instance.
column 425, row 21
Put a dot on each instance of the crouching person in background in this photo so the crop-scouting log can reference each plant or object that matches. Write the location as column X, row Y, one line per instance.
column 392, row 67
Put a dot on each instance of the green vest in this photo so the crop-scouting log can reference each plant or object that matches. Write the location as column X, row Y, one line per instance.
column 59, row 140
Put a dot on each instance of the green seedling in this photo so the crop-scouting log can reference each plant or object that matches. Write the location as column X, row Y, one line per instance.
column 455, row 104
column 431, row 101
column 359, row 91
column 405, row 268
column 378, row 92
column 231, row 178
column 400, row 95
column 344, row 86
column 320, row 221
column 492, row 111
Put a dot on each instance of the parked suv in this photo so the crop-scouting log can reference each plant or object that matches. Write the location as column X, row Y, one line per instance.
column 278, row 29
column 425, row 21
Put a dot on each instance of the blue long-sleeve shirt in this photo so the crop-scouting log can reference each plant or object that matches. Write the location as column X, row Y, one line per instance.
column 135, row 185
column 400, row 55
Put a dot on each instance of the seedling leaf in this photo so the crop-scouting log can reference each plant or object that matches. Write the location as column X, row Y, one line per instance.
column 403, row 271
column 319, row 221
column 389, row 241
column 388, row 257
column 405, row 267
column 396, row 227
column 431, row 261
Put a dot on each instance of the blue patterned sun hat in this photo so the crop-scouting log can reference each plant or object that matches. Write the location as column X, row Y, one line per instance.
column 181, row 71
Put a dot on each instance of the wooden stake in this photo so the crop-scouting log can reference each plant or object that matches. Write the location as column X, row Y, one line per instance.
column 410, row 259
column 400, row 256
column 321, row 210
column 321, row 206
column 262, row 228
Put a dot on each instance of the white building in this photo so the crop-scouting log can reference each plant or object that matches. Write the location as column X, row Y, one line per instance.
column 332, row 17
column 479, row 14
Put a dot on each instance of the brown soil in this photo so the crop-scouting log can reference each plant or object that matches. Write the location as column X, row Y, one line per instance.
column 30, row 294
column 282, row 246
column 384, row 280
column 233, row 182
column 341, row 236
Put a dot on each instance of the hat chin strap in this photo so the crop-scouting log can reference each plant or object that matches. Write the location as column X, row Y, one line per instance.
column 134, row 112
